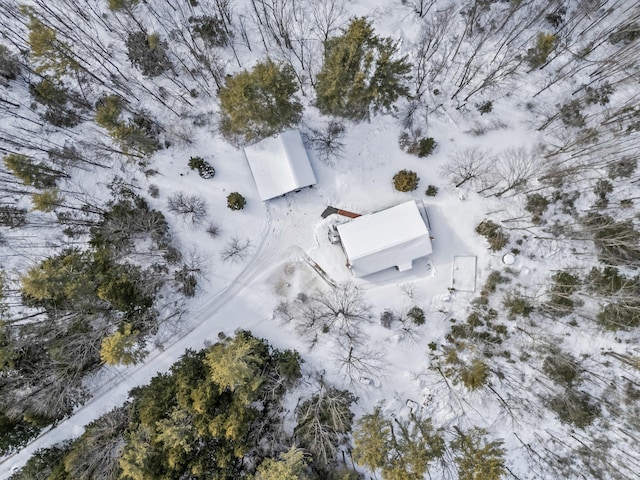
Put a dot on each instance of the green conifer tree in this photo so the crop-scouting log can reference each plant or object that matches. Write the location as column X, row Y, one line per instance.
column 64, row 278
column 372, row 440
column 477, row 457
column 360, row 73
column 545, row 44
column 30, row 172
column 258, row 103
column 47, row 200
column 235, row 364
column 401, row 449
column 122, row 347
column 51, row 53
column 290, row 466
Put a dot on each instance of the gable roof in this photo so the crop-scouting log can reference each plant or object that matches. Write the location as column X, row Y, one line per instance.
column 280, row 164
column 390, row 238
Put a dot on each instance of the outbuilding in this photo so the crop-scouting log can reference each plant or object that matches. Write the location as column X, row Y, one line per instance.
column 280, row 165
column 394, row 237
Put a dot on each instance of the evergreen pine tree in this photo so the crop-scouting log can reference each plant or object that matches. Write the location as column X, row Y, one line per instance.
column 47, row 200
column 401, row 449
column 476, row 457
column 290, row 466
column 51, row 53
column 235, row 364
column 65, row 278
column 258, row 103
column 30, row 172
column 122, row 347
column 372, row 440
column 360, row 73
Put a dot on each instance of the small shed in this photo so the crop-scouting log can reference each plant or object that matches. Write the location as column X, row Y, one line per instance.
column 280, row 164
column 394, row 237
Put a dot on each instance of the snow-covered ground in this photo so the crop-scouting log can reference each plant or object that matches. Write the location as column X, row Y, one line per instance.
column 284, row 234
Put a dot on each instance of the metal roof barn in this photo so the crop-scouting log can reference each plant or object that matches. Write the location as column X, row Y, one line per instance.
column 280, row 165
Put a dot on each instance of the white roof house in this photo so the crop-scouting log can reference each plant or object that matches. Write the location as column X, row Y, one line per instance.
column 280, row 164
column 390, row 238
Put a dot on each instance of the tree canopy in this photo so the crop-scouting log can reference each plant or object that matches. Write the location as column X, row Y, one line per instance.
column 360, row 73
column 258, row 103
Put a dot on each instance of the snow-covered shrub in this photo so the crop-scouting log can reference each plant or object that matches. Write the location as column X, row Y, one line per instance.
column 12, row 217
column 537, row 55
column 406, row 181
column 431, row 191
column 536, row 205
column 626, row 34
column 387, row 318
column 517, row 305
column 211, row 30
column 148, row 53
column 56, row 99
column 575, row 407
column 602, row 188
column 484, row 107
column 494, row 234
column 417, row 315
column 571, row 115
column 561, row 367
column 213, row 229
column 9, row 65
column 411, row 142
column 598, row 95
column 187, row 281
column 564, row 286
column 623, row 168
column 235, row 201
column 205, row 170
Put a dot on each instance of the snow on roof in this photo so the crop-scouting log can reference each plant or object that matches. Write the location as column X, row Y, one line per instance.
column 390, row 238
column 280, row 164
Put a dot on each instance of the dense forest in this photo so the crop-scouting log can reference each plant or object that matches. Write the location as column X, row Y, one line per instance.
column 99, row 97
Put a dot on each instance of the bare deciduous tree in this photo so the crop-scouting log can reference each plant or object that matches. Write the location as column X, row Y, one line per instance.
column 95, row 455
column 192, row 208
column 236, row 250
column 343, row 309
column 327, row 15
column 328, row 142
column 323, row 422
column 358, row 362
column 469, row 165
column 514, row 168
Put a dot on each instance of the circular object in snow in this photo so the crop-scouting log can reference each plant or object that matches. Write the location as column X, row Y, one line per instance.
column 508, row 259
